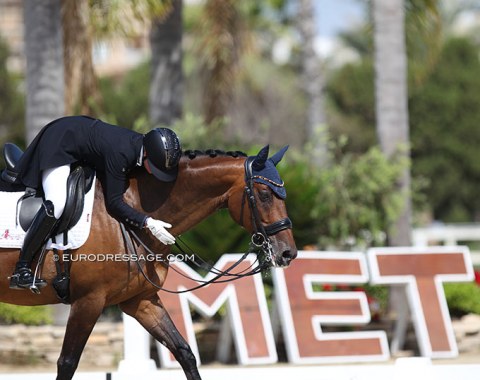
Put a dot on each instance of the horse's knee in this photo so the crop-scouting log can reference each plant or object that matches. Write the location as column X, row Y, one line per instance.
column 66, row 366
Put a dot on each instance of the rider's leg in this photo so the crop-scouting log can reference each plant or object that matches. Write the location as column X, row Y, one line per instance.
column 54, row 183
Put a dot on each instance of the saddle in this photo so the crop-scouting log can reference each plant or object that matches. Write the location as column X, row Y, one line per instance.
column 79, row 182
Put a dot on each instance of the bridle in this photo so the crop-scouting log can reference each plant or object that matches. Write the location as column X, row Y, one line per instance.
column 260, row 242
column 261, row 233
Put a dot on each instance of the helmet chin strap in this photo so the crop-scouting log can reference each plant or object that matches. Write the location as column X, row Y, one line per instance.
column 147, row 166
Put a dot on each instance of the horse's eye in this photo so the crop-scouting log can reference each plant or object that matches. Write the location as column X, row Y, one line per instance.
column 265, row 195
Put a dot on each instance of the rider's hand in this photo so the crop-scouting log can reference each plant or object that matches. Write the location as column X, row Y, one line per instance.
column 158, row 229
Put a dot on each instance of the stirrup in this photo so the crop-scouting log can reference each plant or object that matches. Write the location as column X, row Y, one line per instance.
column 34, row 284
column 35, row 289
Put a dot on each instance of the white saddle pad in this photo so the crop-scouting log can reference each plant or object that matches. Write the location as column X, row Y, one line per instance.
column 12, row 235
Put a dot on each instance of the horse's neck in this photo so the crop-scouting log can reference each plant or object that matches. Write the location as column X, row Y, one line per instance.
column 202, row 187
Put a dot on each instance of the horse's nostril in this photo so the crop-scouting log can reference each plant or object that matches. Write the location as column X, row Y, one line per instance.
column 285, row 259
column 289, row 254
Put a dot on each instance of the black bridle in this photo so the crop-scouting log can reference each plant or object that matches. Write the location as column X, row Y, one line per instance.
column 260, row 242
column 261, row 233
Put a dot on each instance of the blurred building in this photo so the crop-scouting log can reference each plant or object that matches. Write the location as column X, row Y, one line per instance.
column 11, row 31
column 110, row 57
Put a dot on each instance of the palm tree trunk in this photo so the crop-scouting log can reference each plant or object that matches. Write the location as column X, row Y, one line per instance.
column 44, row 75
column 81, row 87
column 221, row 48
column 393, row 131
column 166, row 87
column 391, row 99
column 312, row 83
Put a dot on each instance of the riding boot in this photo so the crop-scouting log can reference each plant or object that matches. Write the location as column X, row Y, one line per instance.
column 36, row 237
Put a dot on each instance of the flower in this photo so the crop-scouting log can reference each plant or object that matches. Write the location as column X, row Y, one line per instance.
column 477, row 277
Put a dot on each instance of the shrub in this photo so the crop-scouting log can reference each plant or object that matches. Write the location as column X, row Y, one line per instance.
column 28, row 315
column 462, row 298
column 351, row 203
column 12, row 104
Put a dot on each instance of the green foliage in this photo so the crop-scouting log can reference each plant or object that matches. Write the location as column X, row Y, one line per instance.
column 351, row 93
column 462, row 298
column 125, row 100
column 28, row 315
column 423, row 33
column 445, row 120
column 11, row 102
column 118, row 17
column 268, row 105
column 380, row 295
column 351, row 203
column 195, row 134
column 215, row 236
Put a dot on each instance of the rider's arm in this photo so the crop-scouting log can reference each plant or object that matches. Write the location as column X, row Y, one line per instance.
column 114, row 188
column 115, row 184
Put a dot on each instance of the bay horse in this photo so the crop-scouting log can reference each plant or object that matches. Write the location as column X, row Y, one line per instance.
column 204, row 185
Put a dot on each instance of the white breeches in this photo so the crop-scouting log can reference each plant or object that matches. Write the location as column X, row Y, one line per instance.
column 54, row 182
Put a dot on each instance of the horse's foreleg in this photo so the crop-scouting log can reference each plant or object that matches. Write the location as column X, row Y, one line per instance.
column 154, row 318
column 84, row 313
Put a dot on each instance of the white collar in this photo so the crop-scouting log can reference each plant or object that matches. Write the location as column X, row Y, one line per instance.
column 140, row 158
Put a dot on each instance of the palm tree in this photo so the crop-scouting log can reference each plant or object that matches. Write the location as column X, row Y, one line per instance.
column 392, row 128
column 87, row 20
column 166, row 87
column 220, row 47
column 391, row 99
column 81, row 87
column 44, row 74
column 312, row 82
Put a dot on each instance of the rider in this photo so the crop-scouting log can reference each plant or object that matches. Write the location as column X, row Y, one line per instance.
column 112, row 151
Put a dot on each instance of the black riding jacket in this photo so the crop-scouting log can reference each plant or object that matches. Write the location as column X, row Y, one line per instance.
column 111, row 150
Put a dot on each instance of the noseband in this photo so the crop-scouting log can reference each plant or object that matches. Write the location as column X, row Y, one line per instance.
column 261, row 233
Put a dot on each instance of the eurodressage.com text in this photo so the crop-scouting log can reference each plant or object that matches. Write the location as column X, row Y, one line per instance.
column 123, row 257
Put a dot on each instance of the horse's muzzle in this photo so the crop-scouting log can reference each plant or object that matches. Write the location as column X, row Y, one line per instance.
column 284, row 257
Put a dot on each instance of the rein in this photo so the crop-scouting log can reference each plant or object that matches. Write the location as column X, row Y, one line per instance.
column 260, row 241
column 131, row 236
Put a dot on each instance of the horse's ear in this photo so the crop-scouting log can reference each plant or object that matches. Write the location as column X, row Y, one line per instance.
column 277, row 157
column 262, row 156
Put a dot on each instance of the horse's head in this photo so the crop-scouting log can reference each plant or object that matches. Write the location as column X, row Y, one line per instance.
column 257, row 202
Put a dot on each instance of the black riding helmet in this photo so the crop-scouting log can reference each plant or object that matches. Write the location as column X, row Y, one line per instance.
column 163, row 151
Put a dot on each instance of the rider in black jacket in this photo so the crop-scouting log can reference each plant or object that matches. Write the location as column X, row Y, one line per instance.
column 112, row 151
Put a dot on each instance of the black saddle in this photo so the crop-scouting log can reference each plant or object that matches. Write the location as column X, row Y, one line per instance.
column 78, row 184
column 12, row 155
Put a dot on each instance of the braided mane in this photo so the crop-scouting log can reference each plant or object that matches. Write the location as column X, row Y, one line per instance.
column 191, row 154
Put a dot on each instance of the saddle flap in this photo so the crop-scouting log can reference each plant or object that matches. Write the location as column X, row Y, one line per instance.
column 28, row 208
column 75, row 200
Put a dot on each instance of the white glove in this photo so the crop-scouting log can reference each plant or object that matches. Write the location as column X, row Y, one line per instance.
column 158, row 229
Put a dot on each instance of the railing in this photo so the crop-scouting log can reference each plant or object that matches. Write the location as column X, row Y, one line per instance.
column 449, row 234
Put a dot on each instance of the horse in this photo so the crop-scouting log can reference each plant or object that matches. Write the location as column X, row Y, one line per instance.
column 205, row 184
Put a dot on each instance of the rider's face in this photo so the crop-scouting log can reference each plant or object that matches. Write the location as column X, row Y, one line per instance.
column 145, row 162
